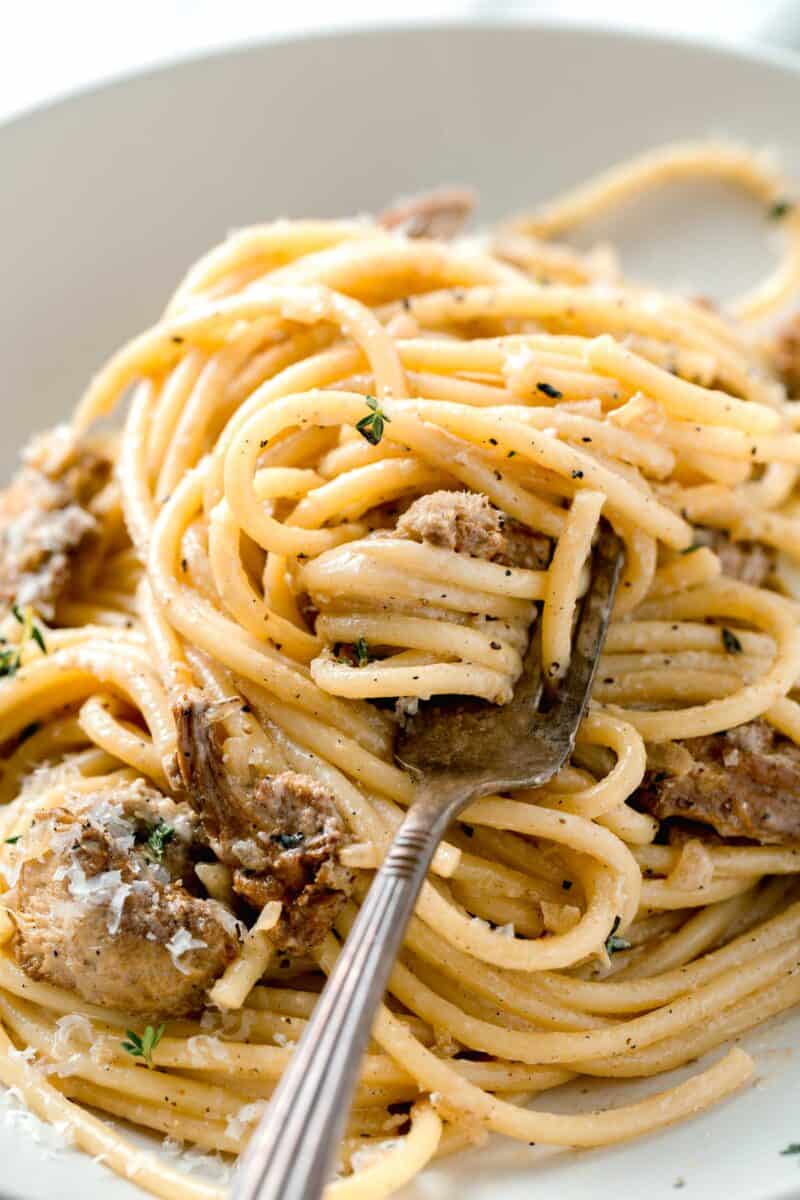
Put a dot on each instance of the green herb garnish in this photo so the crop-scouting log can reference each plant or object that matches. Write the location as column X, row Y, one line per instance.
column 12, row 841
column 614, row 943
column 158, row 838
column 362, row 652
column 143, row 1047
column 792, row 1148
column 691, row 549
column 780, row 209
column 29, row 627
column 371, row 426
column 731, row 642
column 288, row 841
column 11, row 656
column 356, row 654
column 9, row 662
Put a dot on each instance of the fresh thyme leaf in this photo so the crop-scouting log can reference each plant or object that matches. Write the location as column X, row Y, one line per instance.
column 29, row 630
column 614, row 943
column 372, row 425
column 143, row 1047
column 9, row 661
column 12, row 841
column 691, row 549
column 151, row 1039
column 362, row 652
column 158, row 838
column 731, row 642
column 288, row 841
column 353, row 654
column 780, row 209
column 792, row 1148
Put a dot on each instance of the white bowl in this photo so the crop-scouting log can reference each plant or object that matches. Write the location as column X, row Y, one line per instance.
column 108, row 197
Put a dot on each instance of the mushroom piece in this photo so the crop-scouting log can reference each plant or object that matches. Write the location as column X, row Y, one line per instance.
column 744, row 783
column 106, row 904
column 748, row 561
column 787, row 354
column 47, row 531
column 440, row 213
column 280, row 836
column 468, row 523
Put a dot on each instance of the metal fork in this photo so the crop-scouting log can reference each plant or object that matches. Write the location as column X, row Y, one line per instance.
column 458, row 752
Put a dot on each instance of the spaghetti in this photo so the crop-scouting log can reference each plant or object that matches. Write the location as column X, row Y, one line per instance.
column 357, row 466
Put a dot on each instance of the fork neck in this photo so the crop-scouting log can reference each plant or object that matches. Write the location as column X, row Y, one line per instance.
column 438, row 799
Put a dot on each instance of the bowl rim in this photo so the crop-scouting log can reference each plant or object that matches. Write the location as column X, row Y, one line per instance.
column 764, row 54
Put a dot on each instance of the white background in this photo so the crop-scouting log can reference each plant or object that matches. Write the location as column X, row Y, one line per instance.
column 48, row 47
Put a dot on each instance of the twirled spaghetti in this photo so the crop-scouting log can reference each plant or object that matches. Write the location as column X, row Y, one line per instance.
column 358, row 466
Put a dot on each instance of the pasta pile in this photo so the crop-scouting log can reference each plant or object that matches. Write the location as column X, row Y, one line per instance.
column 309, row 382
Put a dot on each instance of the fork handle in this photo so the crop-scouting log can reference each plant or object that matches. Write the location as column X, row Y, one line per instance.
column 291, row 1154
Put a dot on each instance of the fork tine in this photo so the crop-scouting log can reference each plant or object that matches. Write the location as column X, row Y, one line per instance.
column 571, row 697
column 533, row 735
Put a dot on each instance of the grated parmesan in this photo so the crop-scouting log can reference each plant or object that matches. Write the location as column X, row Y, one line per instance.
column 181, row 943
column 247, row 1116
column 115, row 907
